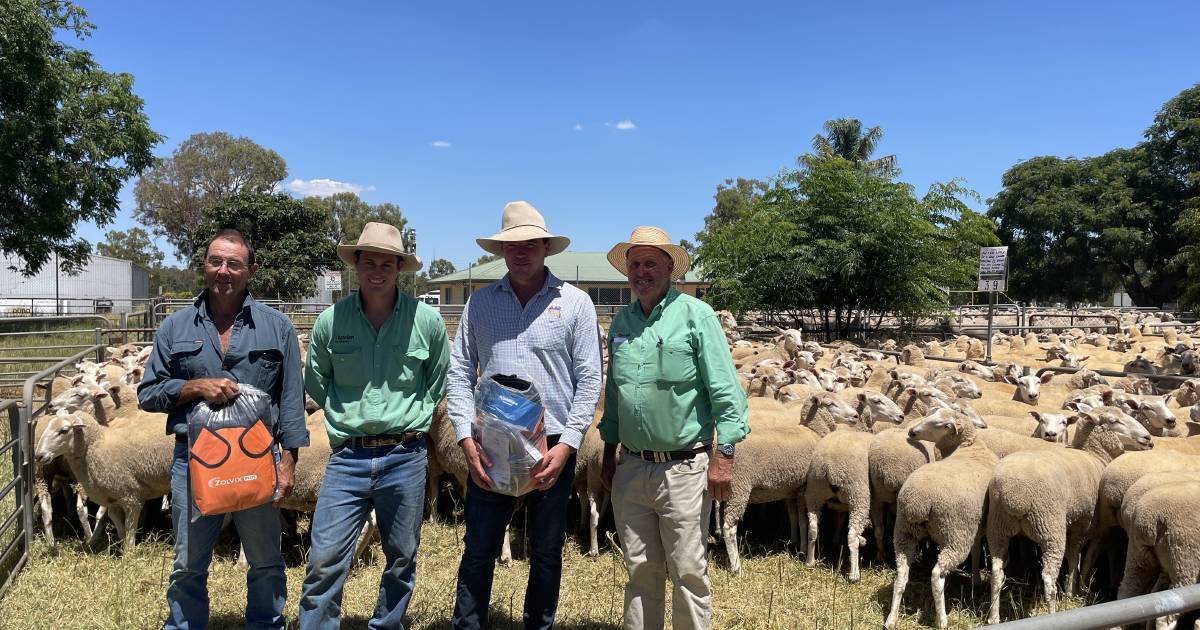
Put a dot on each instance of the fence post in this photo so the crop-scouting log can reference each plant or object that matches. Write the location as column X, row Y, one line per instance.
column 124, row 327
column 99, row 352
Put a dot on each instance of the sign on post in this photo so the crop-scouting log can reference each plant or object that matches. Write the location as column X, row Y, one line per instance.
column 333, row 281
column 993, row 269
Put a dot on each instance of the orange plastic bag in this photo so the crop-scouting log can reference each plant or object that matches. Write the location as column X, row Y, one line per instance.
column 231, row 463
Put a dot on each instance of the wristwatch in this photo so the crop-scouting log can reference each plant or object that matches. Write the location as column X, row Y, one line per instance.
column 725, row 449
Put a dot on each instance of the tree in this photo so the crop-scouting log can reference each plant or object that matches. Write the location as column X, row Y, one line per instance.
column 688, row 247
column 70, row 135
column 204, row 170
column 845, row 138
column 486, row 258
column 838, row 243
column 134, row 245
column 733, row 199
column 289, row 238
column 440, row 267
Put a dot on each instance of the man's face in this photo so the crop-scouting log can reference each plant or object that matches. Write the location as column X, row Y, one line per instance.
column 227, row 269
column 376, row 272
column 525, row 259
column 649, row 270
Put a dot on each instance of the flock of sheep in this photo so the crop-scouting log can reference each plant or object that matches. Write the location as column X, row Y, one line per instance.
column 956, row 453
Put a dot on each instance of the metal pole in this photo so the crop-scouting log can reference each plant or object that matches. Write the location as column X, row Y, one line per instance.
column 1119, row 613
column 57, row 303
column 99, row 351
column 991, row 306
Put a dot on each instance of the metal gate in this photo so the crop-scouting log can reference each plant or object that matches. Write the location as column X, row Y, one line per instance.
column 16, row 498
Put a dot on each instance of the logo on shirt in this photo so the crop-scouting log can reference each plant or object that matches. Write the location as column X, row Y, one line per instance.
column 554, row 310
column 341, row 338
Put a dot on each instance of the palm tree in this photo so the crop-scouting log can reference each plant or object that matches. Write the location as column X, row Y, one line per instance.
column 844, row 137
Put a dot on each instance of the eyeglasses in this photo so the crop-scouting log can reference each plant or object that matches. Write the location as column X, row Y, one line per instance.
column 233, row 264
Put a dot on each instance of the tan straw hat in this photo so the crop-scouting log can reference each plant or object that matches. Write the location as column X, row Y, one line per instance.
column 383, row 238
column 654, row 237
column 522, row 222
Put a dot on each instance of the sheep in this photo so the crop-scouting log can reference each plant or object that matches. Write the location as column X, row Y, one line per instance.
column 593, row 498
column 1134, row 385
column 1159, row 514
column 912, row 355
column 1188, row 393
column 839, row 474
column 1050, row 497
column 1152, row 411
column 120, row 467
column 944, row 501
column 1140, row 364
column 1084, row 379
column 956, row 385
column 1115, row 482
column 795, row 391
column 891, row 458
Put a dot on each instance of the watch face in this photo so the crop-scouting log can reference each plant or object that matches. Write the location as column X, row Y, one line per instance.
column 726, row 450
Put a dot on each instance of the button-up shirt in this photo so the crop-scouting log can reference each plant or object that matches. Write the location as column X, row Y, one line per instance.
column 377, row 382
column 263, row 352
column 671, row 378
column 552, row 340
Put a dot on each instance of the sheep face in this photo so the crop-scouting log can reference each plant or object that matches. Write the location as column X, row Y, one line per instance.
column 806, row 378
column 832, row 381
column 1135, row 385
column 1142, row 365
column 1188, row 363
column 881, row 407
column 76, row 398
column 1083, row 402
column 1153, row 412
column 1052, row 427
column 1089, row 378
column 1029, row 388
column 936, row 426
column 973, row 368
column 804, row 360
column 1194, row 413
column 1133, row 435
column 59, row 437
column 961, row 386
column 1072, row 361
column 842, row 411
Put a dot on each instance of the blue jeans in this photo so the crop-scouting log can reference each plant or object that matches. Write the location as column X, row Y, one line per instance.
column 258, row 528
column 487, row 516
column 390, row 480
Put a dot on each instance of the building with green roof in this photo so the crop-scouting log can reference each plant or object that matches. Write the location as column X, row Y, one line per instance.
column 589, row 271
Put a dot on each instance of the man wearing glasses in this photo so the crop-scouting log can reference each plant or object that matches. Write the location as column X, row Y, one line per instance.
column 205, row 352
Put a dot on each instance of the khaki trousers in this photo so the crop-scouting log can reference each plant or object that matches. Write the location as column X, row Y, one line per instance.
column 662, row 512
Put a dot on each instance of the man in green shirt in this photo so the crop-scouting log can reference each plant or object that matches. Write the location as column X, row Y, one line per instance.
column 671, row 387
column 377, row 365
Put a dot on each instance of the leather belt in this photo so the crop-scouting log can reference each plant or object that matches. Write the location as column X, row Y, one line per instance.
column 375, row 441
column 666, row 456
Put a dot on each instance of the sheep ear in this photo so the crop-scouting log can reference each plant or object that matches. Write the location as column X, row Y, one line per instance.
column 76, row 423
column 862, row 397
column 1047, row 376
column 1036, row 416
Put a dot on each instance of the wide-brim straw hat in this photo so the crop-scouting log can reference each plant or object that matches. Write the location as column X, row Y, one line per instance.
column 520, row 221
column 653, row 237
column 383, row 238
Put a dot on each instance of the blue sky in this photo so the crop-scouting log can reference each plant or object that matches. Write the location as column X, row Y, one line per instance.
column 609, row 115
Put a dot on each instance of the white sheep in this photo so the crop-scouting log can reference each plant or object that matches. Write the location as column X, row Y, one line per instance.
column 839, row 475
column 944, row 501
column 121, row 467
column 1050, row 497
column 1159, row 514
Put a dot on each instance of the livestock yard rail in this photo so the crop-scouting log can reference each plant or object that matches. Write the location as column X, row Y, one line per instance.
column 1113, row 614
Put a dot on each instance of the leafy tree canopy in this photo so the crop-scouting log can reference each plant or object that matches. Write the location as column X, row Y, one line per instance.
column 204, row 170
column 486, row 258
column 71, row 134
column 347, row 215
column 289, row 238
column 134, row 245
column 845, row 138
column 440, row 267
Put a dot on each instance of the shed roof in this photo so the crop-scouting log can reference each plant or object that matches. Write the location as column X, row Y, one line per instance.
column 570, row 266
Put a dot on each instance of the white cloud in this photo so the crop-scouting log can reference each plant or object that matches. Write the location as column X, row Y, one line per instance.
column 323, row 187
column 624, row 125
column 578, row 127
column 440, row 144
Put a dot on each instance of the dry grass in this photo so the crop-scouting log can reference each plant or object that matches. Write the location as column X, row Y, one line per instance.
column 67, row 587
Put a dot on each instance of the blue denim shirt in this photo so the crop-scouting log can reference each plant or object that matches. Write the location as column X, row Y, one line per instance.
column 263, row 352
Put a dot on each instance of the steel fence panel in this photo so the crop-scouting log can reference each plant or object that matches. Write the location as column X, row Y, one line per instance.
column 16, row 523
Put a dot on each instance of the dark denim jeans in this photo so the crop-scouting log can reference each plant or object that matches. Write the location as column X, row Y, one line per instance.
column 487, row 516
column 258, row 528
column 390, row 480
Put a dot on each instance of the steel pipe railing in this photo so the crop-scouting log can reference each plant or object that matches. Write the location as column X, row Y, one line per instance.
column 1112, row 614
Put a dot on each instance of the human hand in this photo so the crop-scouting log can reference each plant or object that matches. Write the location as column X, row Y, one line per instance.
column 285, row 475
column 217, row 391
column 477, row 462
column 720, row 477
column 546, row 471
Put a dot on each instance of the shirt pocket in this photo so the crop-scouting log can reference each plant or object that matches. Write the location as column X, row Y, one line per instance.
column 547, row 334
column 625, row 363
column 186, row 362
column 676, row 363
column 264, row 367
column 349, row 368
column 407, row 371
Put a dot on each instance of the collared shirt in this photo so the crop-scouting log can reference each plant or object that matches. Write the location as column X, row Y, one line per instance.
column 671, row 378
column 263, row 352
column 553, row 340
column 377, row 382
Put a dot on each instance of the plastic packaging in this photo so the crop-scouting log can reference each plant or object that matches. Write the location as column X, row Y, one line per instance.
column 232, row 457
column 508, row 426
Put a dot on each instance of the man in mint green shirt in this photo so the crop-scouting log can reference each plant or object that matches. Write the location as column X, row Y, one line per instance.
column 377, row 365
column 673, row 411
